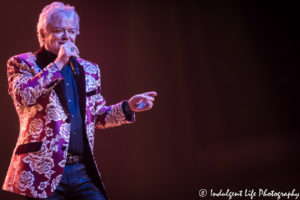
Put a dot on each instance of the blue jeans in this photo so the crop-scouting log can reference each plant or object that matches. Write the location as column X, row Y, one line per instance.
column 76, row 185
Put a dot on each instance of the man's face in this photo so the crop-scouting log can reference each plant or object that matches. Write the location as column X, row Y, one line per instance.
column 60, row 29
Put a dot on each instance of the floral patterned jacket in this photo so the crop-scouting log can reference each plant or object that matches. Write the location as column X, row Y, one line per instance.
column 39, row 157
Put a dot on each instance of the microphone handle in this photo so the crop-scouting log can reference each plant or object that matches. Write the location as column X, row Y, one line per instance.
column 73, row 65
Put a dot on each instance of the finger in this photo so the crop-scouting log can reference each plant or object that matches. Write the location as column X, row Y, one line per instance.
column 153, row 93
column 144, row 98
column 76, row 49
column 72, row 47
column 67, row 49
column 74, row 54
column 149, row 98
column 149, row 104
column 139, row 101
column 142, row 105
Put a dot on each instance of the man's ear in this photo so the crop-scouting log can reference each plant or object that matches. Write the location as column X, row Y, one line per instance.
column 42, row 34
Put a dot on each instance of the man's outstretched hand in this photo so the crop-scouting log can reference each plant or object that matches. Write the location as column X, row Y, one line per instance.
column 142, row 102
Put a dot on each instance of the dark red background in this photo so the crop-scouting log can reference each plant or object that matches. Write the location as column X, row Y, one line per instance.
column 227, row 111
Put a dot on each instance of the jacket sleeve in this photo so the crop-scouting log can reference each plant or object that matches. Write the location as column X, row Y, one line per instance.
column 113, row 115
column 25, row 87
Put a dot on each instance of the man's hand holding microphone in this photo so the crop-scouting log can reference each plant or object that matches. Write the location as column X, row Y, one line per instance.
column 68, row 51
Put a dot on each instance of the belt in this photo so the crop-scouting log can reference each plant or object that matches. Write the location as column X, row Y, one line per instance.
column 73, row 159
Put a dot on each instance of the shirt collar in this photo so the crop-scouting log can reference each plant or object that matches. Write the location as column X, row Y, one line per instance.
column 44, row 57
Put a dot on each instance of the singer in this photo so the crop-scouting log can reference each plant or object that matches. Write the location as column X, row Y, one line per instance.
column 57, row 96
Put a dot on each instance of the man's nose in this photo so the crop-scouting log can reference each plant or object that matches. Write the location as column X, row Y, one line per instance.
column 66, row 35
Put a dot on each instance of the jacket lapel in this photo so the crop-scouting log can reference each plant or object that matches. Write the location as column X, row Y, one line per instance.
column 80, row 83
column 60, row 93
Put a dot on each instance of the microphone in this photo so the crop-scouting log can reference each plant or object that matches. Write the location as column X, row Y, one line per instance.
column 74, row 65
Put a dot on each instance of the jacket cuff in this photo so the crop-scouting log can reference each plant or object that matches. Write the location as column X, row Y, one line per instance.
column 129, row 114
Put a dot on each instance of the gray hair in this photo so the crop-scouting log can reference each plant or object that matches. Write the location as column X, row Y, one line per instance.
column 48, row 11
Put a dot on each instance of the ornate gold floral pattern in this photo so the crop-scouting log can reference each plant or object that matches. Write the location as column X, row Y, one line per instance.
column 41, row 161
column 53, row 113
column 91, row 83
column 43, row 185
column 55, row 182
column 90, row 68
column 26, row 179
column 64, row 131
column 36, row 127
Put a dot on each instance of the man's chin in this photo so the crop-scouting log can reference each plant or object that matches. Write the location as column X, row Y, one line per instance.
column 54, row 51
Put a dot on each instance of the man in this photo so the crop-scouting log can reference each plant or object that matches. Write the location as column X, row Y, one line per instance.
column 57, row 97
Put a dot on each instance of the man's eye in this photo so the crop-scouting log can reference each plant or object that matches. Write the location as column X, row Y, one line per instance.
column 58, row 31
column 72, row 31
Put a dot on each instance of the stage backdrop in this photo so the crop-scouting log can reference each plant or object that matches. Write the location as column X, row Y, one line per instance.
column 227, row 111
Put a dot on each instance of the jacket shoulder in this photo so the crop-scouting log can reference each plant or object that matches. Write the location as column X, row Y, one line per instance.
column 28, row 58
column 89, row 67
column 84, row 62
